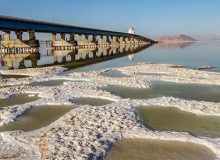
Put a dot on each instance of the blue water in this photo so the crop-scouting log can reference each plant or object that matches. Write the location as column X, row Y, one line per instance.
column 192, row 55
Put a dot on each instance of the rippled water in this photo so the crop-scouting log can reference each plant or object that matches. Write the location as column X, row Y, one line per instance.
column 37, row 117
column 145, row 149
column 173, row 119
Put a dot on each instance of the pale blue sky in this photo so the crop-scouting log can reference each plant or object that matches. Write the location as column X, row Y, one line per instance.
column 152, row 18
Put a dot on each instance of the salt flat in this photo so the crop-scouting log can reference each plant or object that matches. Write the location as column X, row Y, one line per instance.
column 87, row 132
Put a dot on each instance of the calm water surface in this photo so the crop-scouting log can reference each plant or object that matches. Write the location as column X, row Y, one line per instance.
column 198, row 92
column 173, row 119
column 192, row 55
column 15, row 76
column 37, row 117
column 143, row 149
column 18, row 99
column 91, row 101
column 49, row 83
column 114, row 73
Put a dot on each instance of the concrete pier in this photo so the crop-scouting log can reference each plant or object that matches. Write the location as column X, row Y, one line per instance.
column 18, row 46
column 74, row 41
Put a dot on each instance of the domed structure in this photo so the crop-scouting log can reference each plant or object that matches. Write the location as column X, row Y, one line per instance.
column 131, row 30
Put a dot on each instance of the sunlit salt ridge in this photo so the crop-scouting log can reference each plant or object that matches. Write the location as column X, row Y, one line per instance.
column 86, row 124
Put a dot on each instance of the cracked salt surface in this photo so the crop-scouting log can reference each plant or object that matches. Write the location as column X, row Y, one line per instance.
column 87, row 132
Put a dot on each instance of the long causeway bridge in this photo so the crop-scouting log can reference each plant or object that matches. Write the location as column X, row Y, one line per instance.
column 71, row 37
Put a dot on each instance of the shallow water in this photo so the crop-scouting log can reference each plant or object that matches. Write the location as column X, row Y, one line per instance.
column 173, row 119
column 152, row 74
column 15, row 76
column 198, row 92
column 158, row 89
column 91, row 101
column 18, row 99
column 114, row 73
column 49, row 83
column 145, row 149
column 133, row 93
column 70, row 59
column 37, row 117
column 192, row 55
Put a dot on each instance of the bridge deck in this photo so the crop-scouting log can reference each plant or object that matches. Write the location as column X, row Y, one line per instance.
column 21, row 24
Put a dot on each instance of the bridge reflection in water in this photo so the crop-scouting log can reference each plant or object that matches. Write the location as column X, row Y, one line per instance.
column 69, row 57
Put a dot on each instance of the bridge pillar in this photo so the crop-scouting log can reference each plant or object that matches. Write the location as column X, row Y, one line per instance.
column 53, row 36
column 94, row 38
column 63, row 44
column 127, row 41
column 19, row 45
column 6, row 36
column 63, row 35
column 9, row 64
column 117, row 41
column 32, row 35
column 122, row 40
column 100, row 40
column 136, row 41
column 122, row 49
column 19, row 35
column 132, row 40
column 86, row 44
column 114, row 39
column 72, row 39
column 87, row 37
column 78, row 39
column 108, row 40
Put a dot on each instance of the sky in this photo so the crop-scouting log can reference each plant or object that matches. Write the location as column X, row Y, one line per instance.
column 151, row 18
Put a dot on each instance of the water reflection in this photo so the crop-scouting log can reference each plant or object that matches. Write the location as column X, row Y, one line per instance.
column 12, row 61
column 70, row 58
column 180, row 45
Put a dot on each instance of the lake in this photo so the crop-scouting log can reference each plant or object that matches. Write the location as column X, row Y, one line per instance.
column 193, row 55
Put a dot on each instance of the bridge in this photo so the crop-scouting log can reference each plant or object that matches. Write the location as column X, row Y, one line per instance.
column 71, row 37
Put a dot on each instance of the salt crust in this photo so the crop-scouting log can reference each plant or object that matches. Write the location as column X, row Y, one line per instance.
column 87, row 132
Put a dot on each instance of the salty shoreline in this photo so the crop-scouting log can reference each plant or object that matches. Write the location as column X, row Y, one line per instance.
column 88, row 131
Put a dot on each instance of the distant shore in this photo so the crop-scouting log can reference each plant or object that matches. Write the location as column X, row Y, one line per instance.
column 176, row 39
